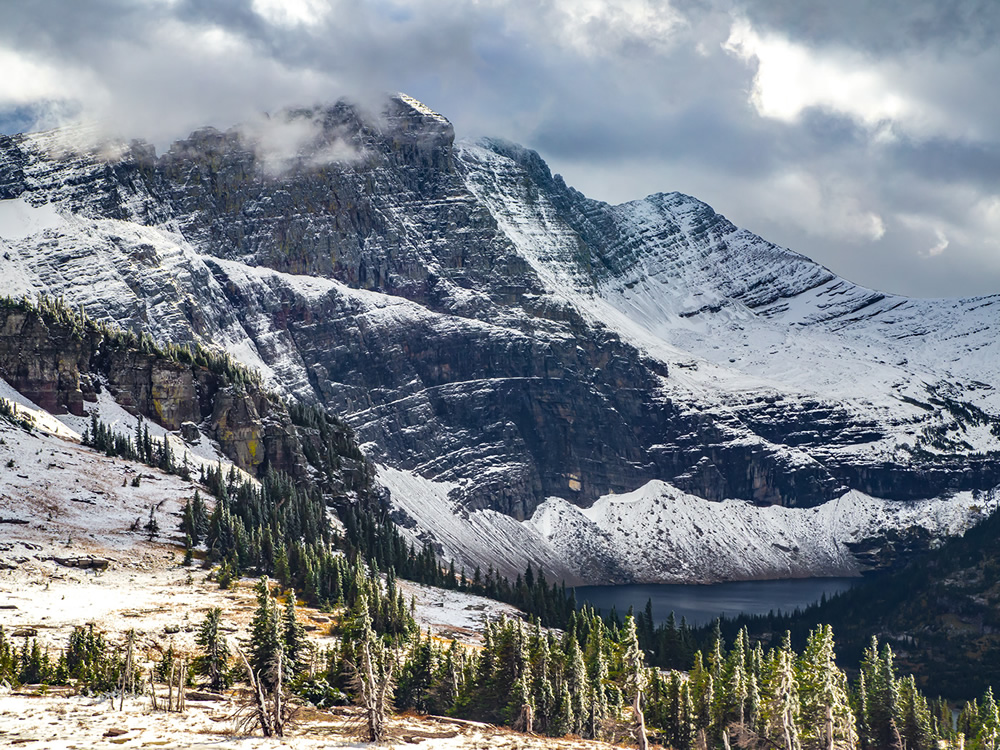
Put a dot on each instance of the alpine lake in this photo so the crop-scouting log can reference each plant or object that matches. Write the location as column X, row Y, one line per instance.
column 700, row 604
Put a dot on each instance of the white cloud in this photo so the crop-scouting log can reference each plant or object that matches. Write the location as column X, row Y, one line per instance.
column 792, row 77
column 291, row 13
column 941, row 245
column 283, row 140
column 628, row 96
column 824, row 205
column 591, row 28
column 26, row 80
column 908, row 92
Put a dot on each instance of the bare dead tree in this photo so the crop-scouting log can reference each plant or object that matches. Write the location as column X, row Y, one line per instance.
column 745, row 736
column 263, row 707
column 170, row 686
column 639, row 722
column 253, row 710
column 127, row 680
column 525, row 721
column 372, row 681
column 181, row 679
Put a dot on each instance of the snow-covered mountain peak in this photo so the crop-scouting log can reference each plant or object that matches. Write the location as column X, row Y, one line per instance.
column 484, row 326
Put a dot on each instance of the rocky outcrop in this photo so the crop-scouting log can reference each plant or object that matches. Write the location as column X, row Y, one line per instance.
column 44, row 367
column 60, row 361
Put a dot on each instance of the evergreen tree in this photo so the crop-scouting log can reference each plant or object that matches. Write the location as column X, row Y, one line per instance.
column 732, row 688
column 294, row 641
column 882, row 719
column 634, row 677
column 986, row 728
column 266, row 639
column 446, row 683
column 916, row 723
column 581, row 694
column 213, row 664
column 780, row 698
column 372, row 671
column 825, row 715
column 414, row 686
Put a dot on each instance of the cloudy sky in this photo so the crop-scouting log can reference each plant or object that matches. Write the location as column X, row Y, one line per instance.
column 865, row 135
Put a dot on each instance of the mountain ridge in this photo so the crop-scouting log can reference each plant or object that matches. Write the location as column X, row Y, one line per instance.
column 484, row 326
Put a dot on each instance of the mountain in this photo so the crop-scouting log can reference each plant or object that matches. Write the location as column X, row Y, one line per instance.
column 537, row 376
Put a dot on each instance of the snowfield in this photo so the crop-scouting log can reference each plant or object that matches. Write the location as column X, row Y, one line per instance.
column 51, row 722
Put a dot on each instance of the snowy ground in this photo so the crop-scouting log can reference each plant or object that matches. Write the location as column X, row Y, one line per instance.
column 37, row 722
column 453, row 614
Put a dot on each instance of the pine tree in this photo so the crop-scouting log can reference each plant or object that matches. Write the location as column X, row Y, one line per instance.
column 372, row 675
column 446, row 683
column 780, row 698
column 415, row 678
column 294, row 639
column 916, row 723
column 826, row 719
column 581, row 693
column 702, row 692
column 543, row 690
column 266, row 641
column 597, row 670
column 213, row 664
column 634, row 675
column 987, row 727
column 882, row 719
column 732, row 689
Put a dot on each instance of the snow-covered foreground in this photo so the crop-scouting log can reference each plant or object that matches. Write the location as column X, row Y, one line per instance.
column 49, row 722
column 659, row 534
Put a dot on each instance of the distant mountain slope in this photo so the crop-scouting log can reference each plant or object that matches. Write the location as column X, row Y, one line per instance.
column 482, row 325
column 939, row 614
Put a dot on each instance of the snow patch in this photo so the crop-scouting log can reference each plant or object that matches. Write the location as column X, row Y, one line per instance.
column 20, row 220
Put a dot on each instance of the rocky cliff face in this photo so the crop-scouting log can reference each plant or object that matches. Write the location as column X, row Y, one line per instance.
column 61, row 362
column 479, row 323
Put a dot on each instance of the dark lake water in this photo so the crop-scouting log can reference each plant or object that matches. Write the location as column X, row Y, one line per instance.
column 701, row 604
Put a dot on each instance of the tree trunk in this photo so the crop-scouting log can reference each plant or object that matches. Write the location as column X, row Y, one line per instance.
column 371, row 697
column 170, row 687
column 279, row 724
column 181, row 678
column 640, row 723
column 786, row 726
column 260, row 704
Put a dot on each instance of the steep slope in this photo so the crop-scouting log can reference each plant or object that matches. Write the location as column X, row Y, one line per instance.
column 481, row 325
column 659, row 534
column 892, row 396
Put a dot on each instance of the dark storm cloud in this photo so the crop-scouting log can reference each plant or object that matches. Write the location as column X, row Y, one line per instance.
column 859, row 133
column 884, row 27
